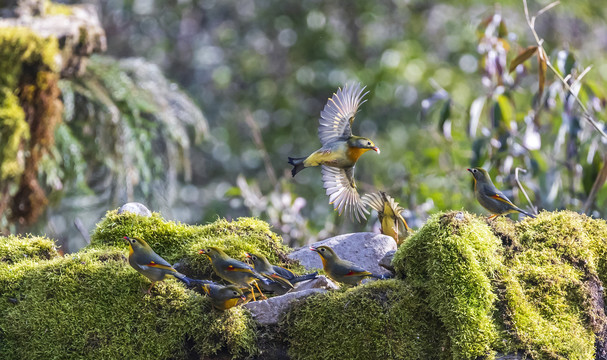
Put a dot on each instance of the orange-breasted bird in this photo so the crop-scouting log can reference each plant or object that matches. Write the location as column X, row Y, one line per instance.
column 392, row 222
column 223, row 297
column 143, row 259
column 340, row 151
column 341, row 270
column 282, row 280
column 232, row 270
column 490, row 197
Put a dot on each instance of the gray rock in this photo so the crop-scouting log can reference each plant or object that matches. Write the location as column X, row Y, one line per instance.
column 364, row 249
column 268, row 312
column 386, row 261
column 321, row 282
column 135, row 208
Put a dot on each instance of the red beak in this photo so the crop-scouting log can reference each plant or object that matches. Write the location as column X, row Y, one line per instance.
column 247, row 255
column 126, row 238
column 469, row 170
column 201, row 251
column 376, row 149
column 311, row 248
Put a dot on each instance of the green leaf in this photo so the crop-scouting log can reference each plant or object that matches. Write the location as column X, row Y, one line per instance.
column 522, row 57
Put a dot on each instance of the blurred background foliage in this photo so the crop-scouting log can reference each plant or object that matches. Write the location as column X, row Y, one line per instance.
column 441, row 100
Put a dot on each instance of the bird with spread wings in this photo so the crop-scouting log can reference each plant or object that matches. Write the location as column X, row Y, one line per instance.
column 340, row 151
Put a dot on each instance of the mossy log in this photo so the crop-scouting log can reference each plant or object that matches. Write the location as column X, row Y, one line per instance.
column 465, row 289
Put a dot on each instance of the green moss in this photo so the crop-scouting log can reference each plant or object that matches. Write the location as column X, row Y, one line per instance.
column 451, row 262
column 90, row 305
column 378, row 320
column 14, row 248
column 180, row 242
column 51, row 8
column 13, row 129
column 550, row 282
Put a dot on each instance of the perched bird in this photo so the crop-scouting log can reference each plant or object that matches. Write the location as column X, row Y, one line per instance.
column 389, row 214
column 340, row 270
column 232, row 270
column 143, row 259
column 490, row 197
column 282, row 280
column 340, row 150
column 223, row 297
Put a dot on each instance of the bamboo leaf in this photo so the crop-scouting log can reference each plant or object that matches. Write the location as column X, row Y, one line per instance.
column 522, row 57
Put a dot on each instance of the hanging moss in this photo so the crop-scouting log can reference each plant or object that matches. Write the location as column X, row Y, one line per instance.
column 13, row 130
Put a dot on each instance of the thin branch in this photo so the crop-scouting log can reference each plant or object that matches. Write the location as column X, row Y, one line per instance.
column 531, row 23
column 520, row 186
column 256, row 134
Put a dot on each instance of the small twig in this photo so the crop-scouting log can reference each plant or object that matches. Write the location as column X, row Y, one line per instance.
column 256, row 134
column 520, row 186
column 531, row 23
column 598, row 184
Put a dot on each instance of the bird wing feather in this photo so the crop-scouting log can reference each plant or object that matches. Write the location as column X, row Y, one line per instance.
column 341, row 189
column 338, row 114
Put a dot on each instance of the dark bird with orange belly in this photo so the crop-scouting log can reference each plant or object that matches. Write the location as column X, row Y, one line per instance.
column 340, row 151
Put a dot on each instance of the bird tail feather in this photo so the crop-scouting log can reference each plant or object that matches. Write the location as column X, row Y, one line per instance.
column 526, row 213
column 298, row 164
column 305, row 277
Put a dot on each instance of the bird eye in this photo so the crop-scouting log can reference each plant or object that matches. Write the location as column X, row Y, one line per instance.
column 234, row 292
column 474, row 170
column 368, row 143
column 322, row 249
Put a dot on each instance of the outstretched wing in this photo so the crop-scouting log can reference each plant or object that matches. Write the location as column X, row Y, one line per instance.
column 375, row 201
column 337, row 116
column 342, row 192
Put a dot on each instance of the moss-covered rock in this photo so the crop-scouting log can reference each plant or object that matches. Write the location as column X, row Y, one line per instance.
column 15, row 248
column 179, row 242
column 377, row 320
column 91, row 305
column 469, row 289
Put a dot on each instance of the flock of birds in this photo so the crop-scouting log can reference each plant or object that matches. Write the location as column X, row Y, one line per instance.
column 337, row 157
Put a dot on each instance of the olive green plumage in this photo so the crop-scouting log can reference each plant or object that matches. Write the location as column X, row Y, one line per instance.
column 223, row 297
column 340, row 151
column 143, row 259
column 490, row 197
column 341, row 270
column 231, row 270
column 392, row 222
column 281, row 279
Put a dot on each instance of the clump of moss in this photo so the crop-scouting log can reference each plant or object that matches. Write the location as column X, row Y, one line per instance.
column 90, row 305
column 451, row 262
column 14, row 248
column 180, row 242
column 378, row 320
column 552, row 285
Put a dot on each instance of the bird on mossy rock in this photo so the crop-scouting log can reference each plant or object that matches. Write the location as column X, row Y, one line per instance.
column 232, row 270
column 223, row 297
column 143, row 259
column 282, row 280
column 490, row 197
column 340, row 151
column 392, row 222
column 341, row 270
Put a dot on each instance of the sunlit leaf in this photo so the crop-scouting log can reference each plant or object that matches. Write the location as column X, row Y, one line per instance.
column 503, row 30
column 476, row 109
column 522, row 57
column 506, row 109
column 541, row 58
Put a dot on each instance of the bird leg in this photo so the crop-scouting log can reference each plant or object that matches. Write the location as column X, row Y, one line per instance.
column 493, row 217
column 262, row 295
column 150, row 288
column 252, row 292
